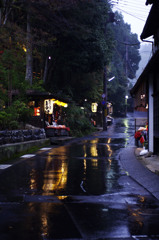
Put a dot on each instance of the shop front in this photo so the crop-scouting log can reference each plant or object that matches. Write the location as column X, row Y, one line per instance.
column 48, row 113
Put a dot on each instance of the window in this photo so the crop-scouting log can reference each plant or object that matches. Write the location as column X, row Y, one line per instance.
column 37, row 111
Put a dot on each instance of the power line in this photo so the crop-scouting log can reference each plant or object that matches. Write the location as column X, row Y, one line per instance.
column 130, row 14
column 134, row 8
column 135, row 13
column 131, row 6
column 132, row 2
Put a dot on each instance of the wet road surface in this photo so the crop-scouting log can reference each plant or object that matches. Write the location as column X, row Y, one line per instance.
column 77, row 191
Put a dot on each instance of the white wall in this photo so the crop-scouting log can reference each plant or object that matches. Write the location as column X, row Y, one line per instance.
column 151, row 115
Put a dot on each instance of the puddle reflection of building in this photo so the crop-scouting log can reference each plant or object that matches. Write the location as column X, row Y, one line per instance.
column 110, row 168
column 91, row 174
column 84, row 163
column 94, row 153
column 55, row 174
column 44, row 221
column 126, row 124
column 53, row 177
column 97, row 171
column 109, row 152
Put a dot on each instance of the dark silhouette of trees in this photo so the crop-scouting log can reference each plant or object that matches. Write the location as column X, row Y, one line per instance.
column 63, row 46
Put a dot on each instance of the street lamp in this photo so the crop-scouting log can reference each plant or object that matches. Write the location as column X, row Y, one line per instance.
column 126, row 100
column 104, row 96
column 110, row 79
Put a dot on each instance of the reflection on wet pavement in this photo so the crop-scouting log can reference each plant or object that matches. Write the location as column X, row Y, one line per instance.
column 77, row 191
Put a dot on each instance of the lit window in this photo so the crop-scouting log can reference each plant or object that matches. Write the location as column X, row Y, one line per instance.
column 37, row 111
column 31, row 103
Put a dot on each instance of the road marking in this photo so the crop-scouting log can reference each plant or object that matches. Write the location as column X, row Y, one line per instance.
column 44, row 149
column 4, row 166
column 28, row 156
column 138, row 237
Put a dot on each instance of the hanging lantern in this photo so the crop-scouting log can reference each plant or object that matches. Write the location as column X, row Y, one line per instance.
column 94, row 107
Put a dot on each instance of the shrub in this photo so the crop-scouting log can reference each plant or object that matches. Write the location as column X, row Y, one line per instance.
column 11, row 117
column 77, row 121
column 5, row 120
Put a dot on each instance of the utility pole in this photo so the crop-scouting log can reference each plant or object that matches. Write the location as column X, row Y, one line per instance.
column 110, row 19
column 104, row 96
column 126, row 74
column 126, row 59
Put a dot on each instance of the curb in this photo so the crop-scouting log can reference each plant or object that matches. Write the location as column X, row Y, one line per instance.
column 138, row 172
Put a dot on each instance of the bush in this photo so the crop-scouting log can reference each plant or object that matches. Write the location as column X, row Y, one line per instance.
column 14, row 125
column 5, row 119
column 11, row 117
column 77, row 121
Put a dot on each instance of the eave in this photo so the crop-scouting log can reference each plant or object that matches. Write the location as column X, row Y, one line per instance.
column 152, row 22
column 144, row 75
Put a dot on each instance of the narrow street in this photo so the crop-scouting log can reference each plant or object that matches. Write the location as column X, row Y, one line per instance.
column 77, row 191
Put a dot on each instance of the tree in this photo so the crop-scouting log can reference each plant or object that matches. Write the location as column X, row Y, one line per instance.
column 81, row 48
column 124, row 64
column 127, row 46
column 29, row 43
column 67, row 44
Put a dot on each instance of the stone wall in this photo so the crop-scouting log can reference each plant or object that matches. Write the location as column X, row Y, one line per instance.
column 10, row 150
column 17, row 141
column 16, row 136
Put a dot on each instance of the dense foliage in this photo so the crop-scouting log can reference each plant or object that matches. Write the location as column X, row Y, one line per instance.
column 62, row 47
column 78, row 121
column 123, row 65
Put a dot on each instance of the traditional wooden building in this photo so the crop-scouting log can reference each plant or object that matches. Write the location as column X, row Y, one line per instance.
column 139, row 93
column 47, row 108
column 146, row 89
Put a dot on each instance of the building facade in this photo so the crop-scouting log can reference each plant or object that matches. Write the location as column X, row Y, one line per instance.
column 146, row 89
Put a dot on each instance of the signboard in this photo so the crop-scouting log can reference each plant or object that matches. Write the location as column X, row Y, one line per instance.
column 94, row 107
column 103, row 102
column 48, row 106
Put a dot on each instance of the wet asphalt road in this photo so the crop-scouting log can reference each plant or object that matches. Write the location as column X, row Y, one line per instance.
column 77, row 191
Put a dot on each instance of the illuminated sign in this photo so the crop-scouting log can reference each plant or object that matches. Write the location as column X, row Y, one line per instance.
column 94, row 107
column 59, row 103
column 48, row 106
